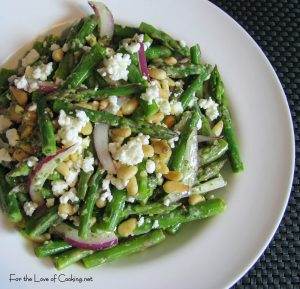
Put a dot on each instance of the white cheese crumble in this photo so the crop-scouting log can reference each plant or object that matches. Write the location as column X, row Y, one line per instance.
column 12, row 137
column 164, row 106
column 167, row 202
column 5, row 123
column 141, row 221
column 199, row 124
column 116, row 67
column 152, row 93
column 176, row 107
column 133, row 45
column 114, row 104
column 32, row 107
column 150, row 166
column 31, row 57
column 211, row 108
column 88, row 164
column 72, row 177
column 32, row 161
column 155, row 224
column 69, row 196
column 172, row 141
column 50, row 202
column 21, row 83
column 42, row 71
column 4, row 155
column 130, row 199
column 119, row 183
column 54, row 46
column 59, row 187
column 86, row 48
column 106, row 195
column 29, row 208
column 65, row 47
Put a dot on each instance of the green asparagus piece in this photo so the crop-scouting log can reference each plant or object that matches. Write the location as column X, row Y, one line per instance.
column 125, row 31
column 46, row 128
column 166, row 39
column 70, row 257
column 13, row 208
column 88, row 95
column 195, row 54
column 144, row 191
column 83, row 183
column 22, row 170
column 4, row 98
column 158, row 51
column 4, row 75
column 219, row 95
column 4, row 188
column 210, row 185
column 65, row 66
column 211, row 170
column 174, row 229
column 124, row 249
column 212, row 152
column 89, row 204
column 141, row 126
column 135, row 75
column 205, row 128
column 51, row 248
column 200, row 211
column 185, row 70
column 42, row 224
column 55, row 176
column 196, row 85
column 86, row 64
column 145, row 109
column 177, row 158
column 113, row 211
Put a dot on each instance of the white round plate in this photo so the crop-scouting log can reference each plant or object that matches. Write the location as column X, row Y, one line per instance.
column 211, row 254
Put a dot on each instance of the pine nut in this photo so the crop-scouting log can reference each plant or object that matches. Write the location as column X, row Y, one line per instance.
column 170, row 60
column 132, row 187
column 126, row 172
column 148, row 151
column 19, row 95
column 165, row 157
column 161, row 147
column 218, row 128
column 127, row 227
column 171, row 82
column 63, row 169
column 65, row 209
column 26, row 132
column 100, row 203
column 121, row 132
column 164, row 93
column 160, row 167
column 156, row 118
column 195, row 199
column 19, row 155
column 169, row 121
column 129, row 106
column 87, row 129
column 175, row 187
column 157, row 73
column 58, row 55
column 103, row 104
column 173, row 176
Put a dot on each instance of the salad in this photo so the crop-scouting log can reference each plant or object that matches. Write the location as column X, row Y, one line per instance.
column 111, row 137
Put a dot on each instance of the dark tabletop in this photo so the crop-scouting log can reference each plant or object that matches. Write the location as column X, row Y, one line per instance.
column 274, row 25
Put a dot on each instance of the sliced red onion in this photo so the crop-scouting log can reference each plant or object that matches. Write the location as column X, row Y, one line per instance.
column 143, row 60
column 95, row 242
column 101, row 146
column 204, row 138
column 43, row 169
column 106, row 23
column 47, row 87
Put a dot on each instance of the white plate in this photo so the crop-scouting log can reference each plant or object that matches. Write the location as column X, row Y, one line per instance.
column 211, row 254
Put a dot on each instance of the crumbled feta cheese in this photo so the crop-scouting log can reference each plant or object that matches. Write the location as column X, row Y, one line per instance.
column 119, row 183
column 69, row 196
column 59, row 187
column 152, row 93
column 211, row 108
column 86, row 48
column 31, row 57
column 117, row 66
column 72, row 177
column 50, row 202
column 54, row 46
column 32, row 161
column 176, row 107
column 21, row 83
column 140, row 221
column 160, row 179
column 132, row 45
column 114, row 104
column 42, row 71
column 172, row 141
column 4, row 155
column 199, row 124
column 106, row 195
column 167, row 202
column 164, row 107
column 29, row 208
column 150, row 166
column 12, row 137
column 88, row 164
column 5, row 123
column 65, row 47
column 155, row 224
column 130, row 199
column 32, row 107
column 182, row 43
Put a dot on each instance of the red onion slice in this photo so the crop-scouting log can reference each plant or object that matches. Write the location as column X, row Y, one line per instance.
column 105, row 19
column 47, row 87
column 143, row 61
column 95, row 242
column 101, row 146
column 43, row 169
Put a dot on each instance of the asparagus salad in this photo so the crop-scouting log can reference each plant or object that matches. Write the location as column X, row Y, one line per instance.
column 110, row 138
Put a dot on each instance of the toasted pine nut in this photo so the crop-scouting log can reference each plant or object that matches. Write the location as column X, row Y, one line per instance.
column 63, row 169
column 100, row 203
column 87, row 129
column 26, row 131
column 175, row 187
column 164, row 93
column 195, row 199
column 121, row 132
column 132, row 187
column 65, row 209
column 157, row 73
column 169, row 121
column 129, row 106
column 20, row 155
column 165, row 157
column 161, row 147
column 27, row 148
column 74, row 157
column 171, row 82
column 126, row 172
column 19, row 95
column 173, row 176
column 170, row 60
column 117, row 139
column 15, row 113
column 30, row 118
column 148, row 151
column 103, row 104
column 95, row 104
column 156, row 118
column 160, row 167
column 127, row 227
column 58, row 55
column 218, row 128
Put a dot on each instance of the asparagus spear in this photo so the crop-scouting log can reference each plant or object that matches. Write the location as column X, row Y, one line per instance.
column 185, row 70
column 144, row 191
column 218, row 91
column 157, row 51
column 174, row 229
column 195, row 54
column 4, row 75
column 124, row 31
column 51, row 248
column 211, row 170
column 114, row 120
column 213, row 152
column 124, row 249
column 166, row 39
column 210, row 185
